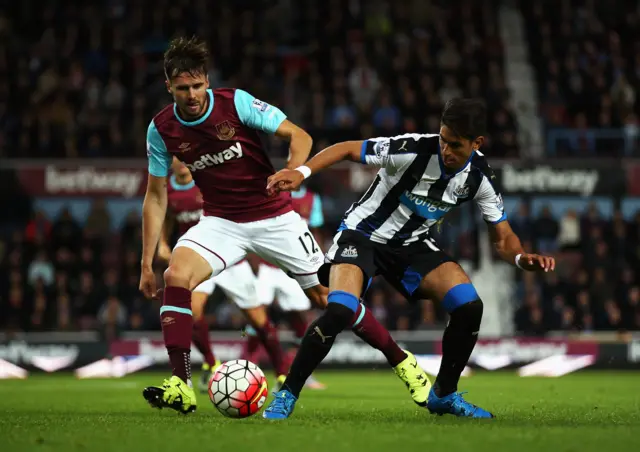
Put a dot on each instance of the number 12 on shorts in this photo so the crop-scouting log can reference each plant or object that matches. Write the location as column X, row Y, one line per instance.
column 312, row 243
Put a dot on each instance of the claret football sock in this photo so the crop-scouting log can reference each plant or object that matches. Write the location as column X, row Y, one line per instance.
column 268, row 335
column 201, row 341
column 298, row 323
column 367, row 328
column 177, row 327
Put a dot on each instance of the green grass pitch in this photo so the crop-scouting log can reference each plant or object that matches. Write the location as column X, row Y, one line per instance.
column 360, row 411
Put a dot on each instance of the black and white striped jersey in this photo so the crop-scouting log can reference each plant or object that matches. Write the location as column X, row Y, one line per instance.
column 412, row 191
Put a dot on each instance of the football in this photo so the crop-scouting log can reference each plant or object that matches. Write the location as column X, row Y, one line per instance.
column 238, row 388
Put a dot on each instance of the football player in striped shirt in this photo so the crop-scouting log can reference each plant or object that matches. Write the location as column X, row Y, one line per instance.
column 386, row 232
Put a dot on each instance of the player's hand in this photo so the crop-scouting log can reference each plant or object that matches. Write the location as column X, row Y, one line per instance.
column 148, row 283
column 164, row 252
column 536, row 262
column 284, row 180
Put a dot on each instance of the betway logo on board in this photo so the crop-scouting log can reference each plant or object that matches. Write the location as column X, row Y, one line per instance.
column 90, row 181
column 545, row 179
column 520, row 351
column 22, row 352
column 208, row 160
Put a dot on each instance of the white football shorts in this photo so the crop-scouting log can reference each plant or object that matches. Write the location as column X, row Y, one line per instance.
column 285, row 241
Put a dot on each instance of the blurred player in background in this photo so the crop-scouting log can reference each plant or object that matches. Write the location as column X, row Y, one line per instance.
column 238, row 282
column 387, row 232
column 274, row 284
column 218, row 134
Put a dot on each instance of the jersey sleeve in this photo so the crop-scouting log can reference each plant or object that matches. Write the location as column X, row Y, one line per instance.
column 316, row 219
column 490, row 203
column 159, row 158
column 257, row 114
column 391, row 152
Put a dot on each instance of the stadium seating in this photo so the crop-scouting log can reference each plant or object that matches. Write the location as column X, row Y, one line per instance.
column 87, row 80
column 83, row 80
column 588, row 73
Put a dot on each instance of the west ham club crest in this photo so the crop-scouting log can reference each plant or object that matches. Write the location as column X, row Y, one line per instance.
column 225, row 131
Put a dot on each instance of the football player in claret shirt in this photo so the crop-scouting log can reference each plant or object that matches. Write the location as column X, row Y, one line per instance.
column 387, row 233
column 219, row 134
column 238, row 282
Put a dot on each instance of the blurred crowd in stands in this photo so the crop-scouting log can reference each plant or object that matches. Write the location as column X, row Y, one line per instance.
column 59, row 275
column 587, row 57
column 85, row 78
column 62, row 276
column 597, row 282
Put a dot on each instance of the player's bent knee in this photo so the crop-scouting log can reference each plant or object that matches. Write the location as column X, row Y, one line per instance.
column 188, row 268
column 346, row 277
column 175, row 276
column 257, row 316
column 460, row 295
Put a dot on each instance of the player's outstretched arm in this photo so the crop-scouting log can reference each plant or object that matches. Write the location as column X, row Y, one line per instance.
column 510, row 249
column 300, row 143
column 154, row 210
column 290, row 179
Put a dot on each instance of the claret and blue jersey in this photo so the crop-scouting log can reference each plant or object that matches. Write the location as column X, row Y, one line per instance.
column 224, row 150
column 252, row 113
column 412, row 191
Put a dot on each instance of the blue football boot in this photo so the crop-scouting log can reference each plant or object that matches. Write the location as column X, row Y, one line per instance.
column 456, row 405
column 281, row 407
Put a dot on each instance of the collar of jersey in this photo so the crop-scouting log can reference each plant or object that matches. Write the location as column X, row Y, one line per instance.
column 178, row 187
column 299, row 193
column 201, row 119
column 443, row 172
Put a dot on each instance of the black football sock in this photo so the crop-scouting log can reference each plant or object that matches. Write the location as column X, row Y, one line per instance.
column 458, row 341
column 316, row 344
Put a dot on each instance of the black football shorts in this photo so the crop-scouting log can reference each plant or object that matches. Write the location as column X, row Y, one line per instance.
column 403, row 266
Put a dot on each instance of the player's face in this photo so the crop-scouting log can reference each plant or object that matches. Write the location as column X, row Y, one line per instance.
column 456, row 150
column 189, row 93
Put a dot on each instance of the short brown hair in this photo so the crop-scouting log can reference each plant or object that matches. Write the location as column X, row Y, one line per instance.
column 186, row 55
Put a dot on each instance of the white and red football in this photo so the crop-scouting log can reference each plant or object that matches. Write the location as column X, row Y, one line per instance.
column 238, row 388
